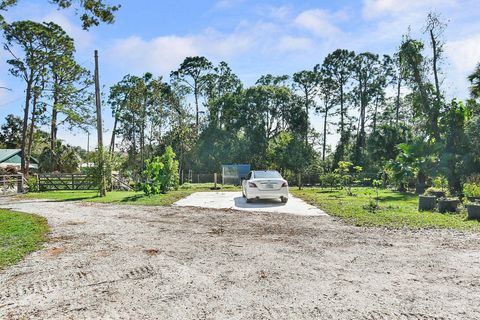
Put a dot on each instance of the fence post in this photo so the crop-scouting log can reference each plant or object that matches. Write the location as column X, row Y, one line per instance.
column 20, row 187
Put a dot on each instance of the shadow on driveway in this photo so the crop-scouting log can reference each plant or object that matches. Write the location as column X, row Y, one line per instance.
column 241, row 202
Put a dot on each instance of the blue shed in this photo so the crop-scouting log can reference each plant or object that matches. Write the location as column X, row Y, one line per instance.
column 233, row 173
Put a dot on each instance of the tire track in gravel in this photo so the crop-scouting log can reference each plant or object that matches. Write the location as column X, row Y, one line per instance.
column 76, row 280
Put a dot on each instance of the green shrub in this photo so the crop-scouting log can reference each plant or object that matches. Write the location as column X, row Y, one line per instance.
column 161, row 173
column 331, row 180
column 32, row 184
column 433, row 191
column 471, row 189
column 440, row 182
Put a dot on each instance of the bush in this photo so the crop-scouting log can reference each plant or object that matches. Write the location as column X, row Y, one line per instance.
column 331, row 180
column 161, row 173
column 471, row 189
column 32, row 184
column 433, row 191
column 102, row 169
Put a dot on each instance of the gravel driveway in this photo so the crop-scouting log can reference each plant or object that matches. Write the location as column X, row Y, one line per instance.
column 125, row 262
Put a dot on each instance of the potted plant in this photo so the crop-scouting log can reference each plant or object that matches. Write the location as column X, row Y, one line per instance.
column 471, row 190
column 427, row 202
column 439, row 187
column 448, row 204
column 473, row 209
column 435, row 192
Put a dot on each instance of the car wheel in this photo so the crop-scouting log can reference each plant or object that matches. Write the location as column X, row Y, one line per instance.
column 284, row 199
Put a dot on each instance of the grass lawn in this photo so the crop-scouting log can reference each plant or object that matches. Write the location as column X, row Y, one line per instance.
column 127, row 197
column 20, row 233
column 397, row 210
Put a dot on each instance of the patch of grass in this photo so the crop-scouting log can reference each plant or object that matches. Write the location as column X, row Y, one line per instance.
column 127, row 197
column 396, row 209
column 20, row 234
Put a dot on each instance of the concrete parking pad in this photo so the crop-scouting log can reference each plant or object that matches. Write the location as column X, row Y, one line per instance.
column 234, row 200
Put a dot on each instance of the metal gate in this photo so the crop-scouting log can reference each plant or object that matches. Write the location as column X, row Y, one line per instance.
column 62, row 181
column 11, row 184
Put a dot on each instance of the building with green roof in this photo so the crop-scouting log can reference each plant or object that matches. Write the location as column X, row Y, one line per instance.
column 13, row 158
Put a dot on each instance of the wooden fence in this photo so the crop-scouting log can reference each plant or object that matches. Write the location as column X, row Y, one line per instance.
column 63, row 181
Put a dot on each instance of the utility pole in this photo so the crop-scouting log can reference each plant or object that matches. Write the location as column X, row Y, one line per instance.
column 102, row 187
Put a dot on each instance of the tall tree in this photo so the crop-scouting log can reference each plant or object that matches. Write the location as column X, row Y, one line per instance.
column 68, row 85
column 414, row 70
column 307, row 82
column 327, row 91
column 31, row 40
column 435, row 28
column 193, row 72
column 338, row 67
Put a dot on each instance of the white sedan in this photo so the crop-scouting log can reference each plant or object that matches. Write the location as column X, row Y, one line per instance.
column 266, row 184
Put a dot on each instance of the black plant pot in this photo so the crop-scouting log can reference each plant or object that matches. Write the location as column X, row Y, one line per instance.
column 473, row 211
column 448, row 205
column 438, row 194
column 473, row 199
column 427, row 203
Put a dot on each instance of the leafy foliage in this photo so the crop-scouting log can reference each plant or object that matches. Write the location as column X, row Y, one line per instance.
column 161, row 173
column 92, row 12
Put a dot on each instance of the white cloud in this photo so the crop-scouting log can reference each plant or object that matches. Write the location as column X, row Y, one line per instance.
column 375, row 8
column 157, row 55
column 226, row 4
column 321, row 23
column 464, row 55
column 165, row 53
column 289, row 43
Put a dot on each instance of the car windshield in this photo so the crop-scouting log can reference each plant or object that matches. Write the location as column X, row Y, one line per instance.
column 266, row 174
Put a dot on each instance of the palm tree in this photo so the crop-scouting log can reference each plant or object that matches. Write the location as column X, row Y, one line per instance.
column 474, row 78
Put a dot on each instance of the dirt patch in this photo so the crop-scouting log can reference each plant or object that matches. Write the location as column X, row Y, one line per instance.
column 75, row 223
column 152, row 252
column 54, row 251
column 188, row 263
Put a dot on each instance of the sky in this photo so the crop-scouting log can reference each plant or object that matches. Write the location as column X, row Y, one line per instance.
column 253, row 37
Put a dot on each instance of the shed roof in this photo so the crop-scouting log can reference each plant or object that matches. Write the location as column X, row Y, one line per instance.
column 16, row 156
column 6, row 154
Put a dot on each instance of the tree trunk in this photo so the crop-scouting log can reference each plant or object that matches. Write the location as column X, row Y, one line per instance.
column 342, row 122
column 435, row 68
column 53, row 126
column 325, row 117
column 399, row 84
column 30, row 132
column 196, row 106
column 307, row 117
column 26, row 113
column 431, row 113
column 375, row 116
column 112, row 141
